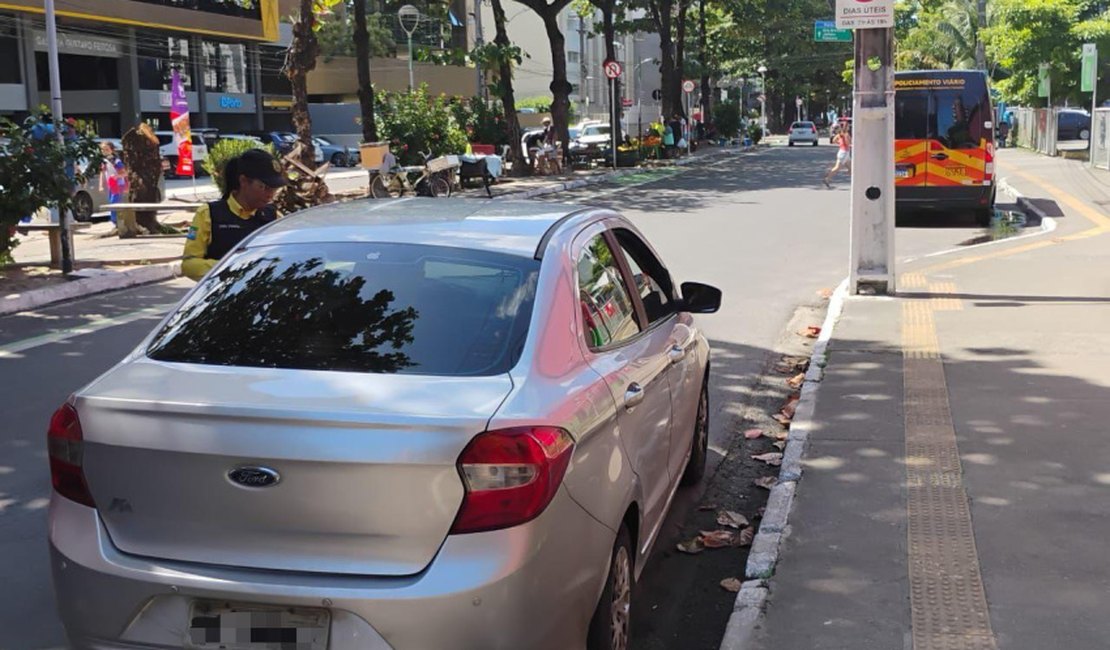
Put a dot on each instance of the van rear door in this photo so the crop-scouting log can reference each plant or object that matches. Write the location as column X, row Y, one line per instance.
column 960, row 142
column 911, row 131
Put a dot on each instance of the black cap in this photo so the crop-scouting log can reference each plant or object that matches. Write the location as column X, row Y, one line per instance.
column 260, row 165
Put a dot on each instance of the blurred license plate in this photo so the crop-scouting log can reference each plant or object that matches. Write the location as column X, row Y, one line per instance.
column 902, row 172
column 249, row 627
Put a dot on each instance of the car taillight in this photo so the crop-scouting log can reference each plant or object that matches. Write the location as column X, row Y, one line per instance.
column 510, row 476
column 64, row 443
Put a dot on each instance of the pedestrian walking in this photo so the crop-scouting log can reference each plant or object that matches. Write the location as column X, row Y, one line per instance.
column 250, row 182
column 117, row 185
column 843, row 140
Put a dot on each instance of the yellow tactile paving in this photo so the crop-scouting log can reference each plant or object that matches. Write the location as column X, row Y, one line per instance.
column 947, row 602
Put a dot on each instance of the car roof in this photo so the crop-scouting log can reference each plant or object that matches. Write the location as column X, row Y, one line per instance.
column 512, row 227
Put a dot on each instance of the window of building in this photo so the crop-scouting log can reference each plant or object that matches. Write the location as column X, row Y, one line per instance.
column 225, row 67
column 158, row 57
column 78, row 72
column 9, row 51
column 572, row 57
column 239, row 8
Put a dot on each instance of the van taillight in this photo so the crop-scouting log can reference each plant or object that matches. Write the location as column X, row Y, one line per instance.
column 988, row 166
column 65, row 445
column 511, row 475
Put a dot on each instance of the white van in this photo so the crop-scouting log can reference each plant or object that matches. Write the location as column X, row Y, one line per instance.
column 169, row 152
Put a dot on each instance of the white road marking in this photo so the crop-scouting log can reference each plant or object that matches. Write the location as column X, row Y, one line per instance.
column 13, row 350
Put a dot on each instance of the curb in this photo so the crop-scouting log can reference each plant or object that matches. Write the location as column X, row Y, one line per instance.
column 774, row 528
column 89, row 282
column 1022, row 201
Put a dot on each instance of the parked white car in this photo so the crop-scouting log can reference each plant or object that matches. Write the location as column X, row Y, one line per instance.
column 805, row 132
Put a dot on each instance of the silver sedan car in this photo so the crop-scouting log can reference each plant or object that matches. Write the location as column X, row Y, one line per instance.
column 410, row 424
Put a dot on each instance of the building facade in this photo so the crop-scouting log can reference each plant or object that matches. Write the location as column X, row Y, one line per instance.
column 116, row 60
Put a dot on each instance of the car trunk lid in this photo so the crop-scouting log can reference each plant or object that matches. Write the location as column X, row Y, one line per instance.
column 365, row 463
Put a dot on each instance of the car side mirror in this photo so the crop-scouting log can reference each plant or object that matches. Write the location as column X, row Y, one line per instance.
column 698, row 298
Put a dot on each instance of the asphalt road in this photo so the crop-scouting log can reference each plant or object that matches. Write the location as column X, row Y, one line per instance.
column 759, row 226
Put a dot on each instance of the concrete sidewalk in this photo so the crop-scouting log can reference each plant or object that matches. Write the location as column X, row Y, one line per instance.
column 956, row 483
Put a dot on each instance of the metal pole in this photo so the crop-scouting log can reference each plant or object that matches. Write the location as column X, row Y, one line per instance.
column 412, row 84
column 614, row 128
column 56, row 108
column 686, row 126
column 872, row 196
column 763, row 104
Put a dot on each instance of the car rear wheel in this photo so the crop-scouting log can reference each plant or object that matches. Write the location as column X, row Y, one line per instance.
column 82, row 206
column 339, row 159
column 1084, row 134
column 790, row 143
column 815, row 143
column 611, row 625
column 699, row 446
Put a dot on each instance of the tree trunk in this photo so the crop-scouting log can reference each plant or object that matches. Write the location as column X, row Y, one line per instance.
column 362, row 60
column 560, row 87
column 680, row 57
column 144, row 170
column 505, row 90
column 300, row 59
column 706, row 89
column 661, row 11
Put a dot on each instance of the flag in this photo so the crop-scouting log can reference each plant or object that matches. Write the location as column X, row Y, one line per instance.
column 182, row 134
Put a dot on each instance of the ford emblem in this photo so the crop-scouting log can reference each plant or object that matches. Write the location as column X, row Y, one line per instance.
column 253, row 476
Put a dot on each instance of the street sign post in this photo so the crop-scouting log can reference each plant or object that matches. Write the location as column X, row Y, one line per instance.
column 688, row 88
column 825, row 31
column 1044, row 83
column 1089, row 83
column 613, row 72
column 864, row 14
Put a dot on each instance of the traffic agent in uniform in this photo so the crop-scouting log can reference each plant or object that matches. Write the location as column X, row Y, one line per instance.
column 251, row 180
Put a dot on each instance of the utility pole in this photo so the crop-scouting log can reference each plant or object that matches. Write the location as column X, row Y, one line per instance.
column 478, row 42
column 583, row 70
column 871, row 250
column 980, row 47
column 56, row 109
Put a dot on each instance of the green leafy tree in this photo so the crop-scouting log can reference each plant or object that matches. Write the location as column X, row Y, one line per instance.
column 337, row 33
column 416, row 123
column 37, row 171
column 1026, row 34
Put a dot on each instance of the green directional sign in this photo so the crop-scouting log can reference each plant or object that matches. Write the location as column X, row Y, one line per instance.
column 1044, row 81
column 825, row 31
column 1089, row 76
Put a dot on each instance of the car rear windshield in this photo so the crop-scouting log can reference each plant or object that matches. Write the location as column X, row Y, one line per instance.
column 802, row 125
column 358, row 307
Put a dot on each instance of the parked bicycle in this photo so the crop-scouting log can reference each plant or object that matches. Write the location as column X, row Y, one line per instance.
column 433, row 178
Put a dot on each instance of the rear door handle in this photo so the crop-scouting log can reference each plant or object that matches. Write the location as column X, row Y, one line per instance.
column 676, row 353
column 634, row 395
column 939, row 156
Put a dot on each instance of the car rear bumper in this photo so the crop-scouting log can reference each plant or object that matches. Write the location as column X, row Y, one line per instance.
column 945, row 198
column 532, row 586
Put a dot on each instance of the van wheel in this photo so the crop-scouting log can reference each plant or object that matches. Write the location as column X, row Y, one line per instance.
column 699, row 446
column 611, row 625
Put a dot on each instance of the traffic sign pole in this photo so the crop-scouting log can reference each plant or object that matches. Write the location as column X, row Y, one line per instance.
column 613, row 71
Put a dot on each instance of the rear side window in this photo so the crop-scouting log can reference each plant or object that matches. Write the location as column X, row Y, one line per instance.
column 960, row 117
column 911, row 115
column 379, row 308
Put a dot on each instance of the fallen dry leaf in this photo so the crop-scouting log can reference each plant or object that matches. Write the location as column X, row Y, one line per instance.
column 731, row 584
column 781, row 419
column 718, row 538
column 732, row 519
column 692, row 547
column 779, row 444
column 745, row 537
column 810, row 332
column 752, row 434
column 790, row 407
column 790, row 365
column 797, row 380
column 772, row 458
column 766, row 482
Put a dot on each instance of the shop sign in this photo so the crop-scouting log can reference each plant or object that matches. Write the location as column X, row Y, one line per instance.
column 82, row 45
column 229, row 102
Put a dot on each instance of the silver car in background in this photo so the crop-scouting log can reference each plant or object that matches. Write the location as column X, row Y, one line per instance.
column 411, row 424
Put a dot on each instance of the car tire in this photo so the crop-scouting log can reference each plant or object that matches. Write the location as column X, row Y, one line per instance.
column 1084, row 134
column 815, row 143
column 82, row 207
column 339, row 160
column 790, row 143
column 611, row 625
column 699, row 445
